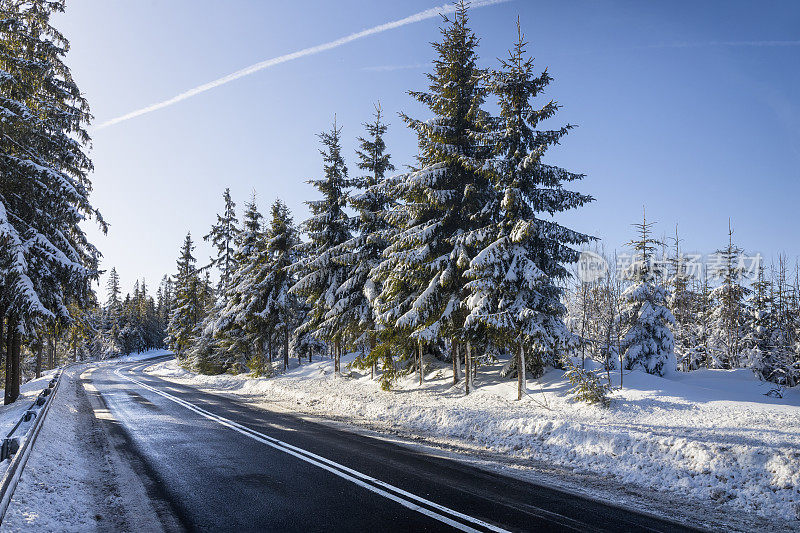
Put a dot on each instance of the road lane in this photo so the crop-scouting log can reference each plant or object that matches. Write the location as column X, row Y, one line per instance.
column 220, row 464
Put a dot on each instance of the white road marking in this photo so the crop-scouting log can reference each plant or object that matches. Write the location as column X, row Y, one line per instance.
column 101, row 412
column 402, row 497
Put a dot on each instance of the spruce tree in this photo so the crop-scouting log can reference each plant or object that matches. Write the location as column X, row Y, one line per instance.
column 516, row 278
column 353, row 310
column 760, row 322
column 223, row 237
column 440, row 211
column 46, row 260
column 319, row 274
column 232, row 322
column 187, row 311
column 276, row 307
column 683, row 304
column 648, row 342
column 779, row 365
column 728, row 316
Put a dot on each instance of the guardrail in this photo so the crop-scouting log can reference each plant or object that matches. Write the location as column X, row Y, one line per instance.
column 17, row 445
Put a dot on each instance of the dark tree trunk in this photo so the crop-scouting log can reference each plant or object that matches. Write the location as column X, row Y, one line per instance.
column 52, row 355
column 13, row 342
column 419, row 368
column 467, row 369
column 521, row 372
column 286, row 350
column 3, row 346
column 39, row 348
column 454, row 350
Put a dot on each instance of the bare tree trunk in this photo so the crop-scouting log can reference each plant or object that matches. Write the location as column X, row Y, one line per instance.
column 49, row 362
column 456, row 362
column 419, row 368
column 17, row 370
column 336, row 358
column 468, row 369
column 9, row 344
column 13, row 344
column 372, row 349
column 521, row 384
column 38, row 360
column 286, row 350
column 3, row 345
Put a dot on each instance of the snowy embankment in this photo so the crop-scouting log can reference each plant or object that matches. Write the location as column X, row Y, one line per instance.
column 710, row 435
column 10, row 414
column 142, row 356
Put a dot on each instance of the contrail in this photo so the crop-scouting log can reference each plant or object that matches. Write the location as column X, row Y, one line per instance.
column 417, row 17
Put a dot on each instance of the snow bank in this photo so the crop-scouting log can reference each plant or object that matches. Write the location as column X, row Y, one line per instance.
column 711, row 435
column 10, row 414
column 149, row 354
column 67, row 484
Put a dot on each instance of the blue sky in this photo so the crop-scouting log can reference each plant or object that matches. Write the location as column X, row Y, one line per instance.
column 689, row 108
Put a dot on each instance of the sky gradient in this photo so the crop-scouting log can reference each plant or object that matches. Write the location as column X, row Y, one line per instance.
column 691, row 109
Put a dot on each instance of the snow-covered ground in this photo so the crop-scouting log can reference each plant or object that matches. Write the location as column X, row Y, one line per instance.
column 135, row 357
column 10, row 414
column 74, row 481
column 709, row 435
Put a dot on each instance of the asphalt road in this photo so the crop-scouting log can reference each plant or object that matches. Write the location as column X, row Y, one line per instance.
column 210, row 463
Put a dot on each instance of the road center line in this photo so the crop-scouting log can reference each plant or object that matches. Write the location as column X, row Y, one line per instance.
column 404, row 498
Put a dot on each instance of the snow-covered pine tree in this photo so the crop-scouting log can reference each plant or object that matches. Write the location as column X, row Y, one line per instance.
column 779, row 365
column 648, row 342
column 223, row 237
column 704, row 309
column 276, row 308
column 727, row 321
column 113, row 288
column 441, row 211
column 319, row 274
column 515, row 292
column 229, row 321
column 759, row 326
column 359, row 255
column 188, row 307
column 46, row 260
column 165, row 302
column 683, row 303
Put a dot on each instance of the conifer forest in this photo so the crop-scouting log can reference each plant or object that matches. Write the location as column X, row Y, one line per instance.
column 457, row 297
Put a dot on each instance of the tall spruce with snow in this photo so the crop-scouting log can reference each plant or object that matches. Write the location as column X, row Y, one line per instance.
column 165, row 301
column 319, row 273
column 276, row 307
column 648, row 342
column 780, row 364
column 113, row 306
column 727, row 323
column 223, row 236
column 440, row 217
column 515, row 292
column 233, row 320
column 187, row 309
column 684, row 305
column 760, row 322
column 360, row 254
column 46, row 260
